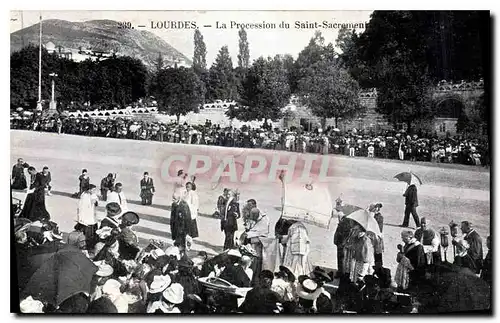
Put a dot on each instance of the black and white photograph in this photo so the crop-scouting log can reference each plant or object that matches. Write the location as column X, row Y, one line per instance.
column 251, row 162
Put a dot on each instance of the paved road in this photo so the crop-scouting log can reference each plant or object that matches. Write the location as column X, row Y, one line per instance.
column 448, row 194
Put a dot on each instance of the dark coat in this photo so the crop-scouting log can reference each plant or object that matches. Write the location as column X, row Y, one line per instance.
column 180, row 220
column 18, row 177
column 486, row 272
column 34, row 206
column 107, row 183
column 410, row 195
column 415, row 253
column 475, row 249
column 260, row 301
column 84, row 182
column 236, row 275
column 380, row 220
column 230, row 223
column 342, row 232
column 425, row 237
column 147, row 187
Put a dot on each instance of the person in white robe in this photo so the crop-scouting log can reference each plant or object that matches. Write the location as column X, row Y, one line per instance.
column 298, row 247
column 86, row 215
column 192, row 200
column 119, row 197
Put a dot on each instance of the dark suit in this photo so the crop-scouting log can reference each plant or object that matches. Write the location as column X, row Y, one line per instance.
column 107, row 184
column 34, row 205
column 411, row 203
column 180, row 219
column 18, row 177
column 229, row 223
column 415, row 253
column 147, row 190
column 475, row 249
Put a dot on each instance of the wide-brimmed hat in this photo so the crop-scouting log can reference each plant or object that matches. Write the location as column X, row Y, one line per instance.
column 248, row 250
column 113, row 209
column 130, row 218
column 234, row 253
column 174, row 294
column 159, row 284
column 104, row 270
column 30, row 305
column 111, row 287
column 308, row 289
column 173, row 251
column 320, row 274
column 290, row 276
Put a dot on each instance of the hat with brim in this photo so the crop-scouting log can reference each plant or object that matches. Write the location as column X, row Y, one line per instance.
column 234, row 253
column 288, row 273
column 104, row 270
column 320, row 274
column 308, row 290
column 111, row 287
column 249, row 250
column 131, row 218
column 173, row 251
column 159, row 284
column 174, row 294
column 113, row 209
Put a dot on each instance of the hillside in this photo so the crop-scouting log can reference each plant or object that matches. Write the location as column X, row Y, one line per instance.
column 101, row 35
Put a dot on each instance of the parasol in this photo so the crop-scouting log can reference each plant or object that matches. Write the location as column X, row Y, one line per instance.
column 53, row 272
column 409, row 178
column 368, row 222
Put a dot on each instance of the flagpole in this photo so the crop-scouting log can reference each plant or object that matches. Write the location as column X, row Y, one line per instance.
column 40, row 68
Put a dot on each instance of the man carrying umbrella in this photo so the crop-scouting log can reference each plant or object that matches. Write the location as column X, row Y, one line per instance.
column 411, row 198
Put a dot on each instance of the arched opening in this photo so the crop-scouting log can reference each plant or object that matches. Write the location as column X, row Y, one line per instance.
column 449, row 108
column 448, row 112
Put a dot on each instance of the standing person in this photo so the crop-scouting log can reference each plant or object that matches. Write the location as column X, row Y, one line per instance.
column 258, row 230
column 378, row 241
column 430, row 241
column 229, row 222
column 34, row 205
column 47, row 178
column 180, row 183
column 180, row 221
column 86, row 216
column 221, row 203
column 118, row 196
column 191, row 198
column 411, row 203
column 59, row 126
column 486, row 271
column 340, row 239
column 414, row 252
column 363, row 257
column 297, row 250
column 84, row 180
column 18, row 176
column 251, row 203
column 475, row 243
column 107, row 184
column 147, row 189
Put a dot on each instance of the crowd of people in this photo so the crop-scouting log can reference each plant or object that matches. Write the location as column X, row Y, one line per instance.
column 388, row 145
column 118, row 275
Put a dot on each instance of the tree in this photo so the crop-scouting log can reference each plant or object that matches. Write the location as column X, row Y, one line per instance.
column 244, row 54
column 265, row 91
column 200, row 53
column 310, row 55
column 179, row 91
column 330, row 91
column 222, row 81
column 395, row 45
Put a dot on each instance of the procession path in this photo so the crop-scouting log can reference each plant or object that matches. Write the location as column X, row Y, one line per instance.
column 447, row 194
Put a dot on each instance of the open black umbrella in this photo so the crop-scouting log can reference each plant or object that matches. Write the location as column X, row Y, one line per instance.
column 53, row 272
column 409, row 178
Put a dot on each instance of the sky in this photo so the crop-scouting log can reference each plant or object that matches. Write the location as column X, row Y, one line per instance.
column 262, row 42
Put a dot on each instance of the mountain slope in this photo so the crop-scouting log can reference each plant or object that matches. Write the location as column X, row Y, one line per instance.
column 100, row 35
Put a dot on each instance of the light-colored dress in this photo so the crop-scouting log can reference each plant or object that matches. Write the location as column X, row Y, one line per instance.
column 297, row 250
column 86, row 213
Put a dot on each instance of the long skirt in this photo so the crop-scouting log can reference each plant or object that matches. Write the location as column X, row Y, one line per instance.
column 193, row 229
column 89, row 231
column 34, row 206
